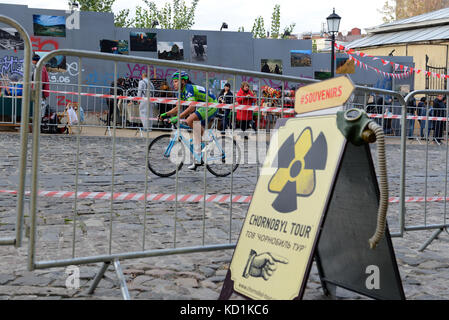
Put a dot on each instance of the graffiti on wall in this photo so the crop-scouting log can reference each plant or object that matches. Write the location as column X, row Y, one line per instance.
column 11, row 65
column 39, row 44
column 134, row 71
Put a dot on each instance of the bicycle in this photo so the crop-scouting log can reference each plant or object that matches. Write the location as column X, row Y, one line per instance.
column 166, row 153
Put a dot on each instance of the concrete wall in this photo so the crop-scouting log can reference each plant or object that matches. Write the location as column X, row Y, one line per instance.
column 227, row 49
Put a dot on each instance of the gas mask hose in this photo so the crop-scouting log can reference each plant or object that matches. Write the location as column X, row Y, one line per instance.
column 383, row 203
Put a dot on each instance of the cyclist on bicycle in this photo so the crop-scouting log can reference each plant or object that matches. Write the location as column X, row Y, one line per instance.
column 191, row 92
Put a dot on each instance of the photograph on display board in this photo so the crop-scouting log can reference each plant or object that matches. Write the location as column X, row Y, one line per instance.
column 55, row 64
column 10, row 39
column 322, row 75
column 344, row 66
column 114, row 46
column 51, row 26
column 301, row 58
column 143, row 41
column 199, row 48
column 271, row 66
column 170, row 50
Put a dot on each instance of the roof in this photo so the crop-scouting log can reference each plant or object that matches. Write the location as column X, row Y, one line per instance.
column 427, row 19
column 406, row 36
column 429, row 26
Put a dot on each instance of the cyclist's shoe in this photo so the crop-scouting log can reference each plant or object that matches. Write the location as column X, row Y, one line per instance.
column 195, row 165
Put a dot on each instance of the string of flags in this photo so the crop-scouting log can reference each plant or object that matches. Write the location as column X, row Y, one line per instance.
column 407, row 71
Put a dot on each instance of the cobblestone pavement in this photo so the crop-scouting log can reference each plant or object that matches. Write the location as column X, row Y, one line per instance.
column 188, row 276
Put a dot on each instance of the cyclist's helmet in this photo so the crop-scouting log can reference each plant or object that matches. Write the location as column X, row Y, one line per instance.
column 184, row 75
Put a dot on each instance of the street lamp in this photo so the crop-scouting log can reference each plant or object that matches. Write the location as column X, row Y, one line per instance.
column 333, row 23
column 155, row 23
column 224, row 26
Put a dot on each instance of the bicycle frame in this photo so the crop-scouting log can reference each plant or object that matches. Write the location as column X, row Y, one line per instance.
column 198, row 157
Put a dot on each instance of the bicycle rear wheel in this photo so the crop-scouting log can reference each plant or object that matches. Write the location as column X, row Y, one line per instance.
column 222, row 156
column 164, row 155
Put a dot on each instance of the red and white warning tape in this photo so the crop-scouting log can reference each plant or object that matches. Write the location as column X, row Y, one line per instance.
column 126, row 196
column 183, row 103
column 166, row 197
column 174, row 101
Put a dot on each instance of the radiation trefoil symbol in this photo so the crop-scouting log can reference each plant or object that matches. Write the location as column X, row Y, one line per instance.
column 296, row 163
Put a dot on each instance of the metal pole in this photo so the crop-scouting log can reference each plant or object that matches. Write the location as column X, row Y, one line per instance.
column 122, row 280
column 146, row 161
column 177, row 169
column 98, row 277
column 205, row 157
column 75, row 213
column 403, row 163
column 35, row 164
column 24, row 125
column 113, row 156
column 232, row 164
column 332, row 54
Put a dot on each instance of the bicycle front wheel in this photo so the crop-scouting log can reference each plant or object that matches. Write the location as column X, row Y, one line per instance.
column 164, row 155
column 222, row 156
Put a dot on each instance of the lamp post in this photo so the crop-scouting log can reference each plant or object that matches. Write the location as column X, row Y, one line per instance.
column 224, row 26
column 333, row 24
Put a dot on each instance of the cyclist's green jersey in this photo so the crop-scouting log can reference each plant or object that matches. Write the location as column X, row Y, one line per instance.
column 193, row 92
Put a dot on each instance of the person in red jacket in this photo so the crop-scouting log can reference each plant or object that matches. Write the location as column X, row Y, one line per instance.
column 245, row 97
column 45, row 79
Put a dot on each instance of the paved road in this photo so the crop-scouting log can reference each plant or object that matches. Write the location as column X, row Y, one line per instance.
column 189, row 276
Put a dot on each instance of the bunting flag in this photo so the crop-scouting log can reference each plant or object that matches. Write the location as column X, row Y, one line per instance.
column 407, row 69
column 363, row 65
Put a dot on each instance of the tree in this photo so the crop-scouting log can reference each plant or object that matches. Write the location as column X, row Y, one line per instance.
column 276, row 21
column 172, row 16
column 388, row 12
column 258, row 30
column 409, row 8
column 120, row 20
column 95, row 5
column 259, row 26
column 288, row 30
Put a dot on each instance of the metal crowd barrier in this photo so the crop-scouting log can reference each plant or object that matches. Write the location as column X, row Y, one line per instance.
column 432, row 219
column 17, row 239
column 180, row 219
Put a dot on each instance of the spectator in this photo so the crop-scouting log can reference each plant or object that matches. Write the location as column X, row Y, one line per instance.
column 145, row 108
column 226, row 97
column 386, row 109
column 45, row 84
column 245, row 97
column 110, row 101
column 439, row 110
column 422, row 112
column 411, row 111
column 14, row 88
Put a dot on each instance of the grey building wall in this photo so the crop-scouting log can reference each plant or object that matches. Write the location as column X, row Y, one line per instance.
column 227, row 49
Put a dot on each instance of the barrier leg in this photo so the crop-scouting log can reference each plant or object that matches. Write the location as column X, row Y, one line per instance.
column 429, row 241
column 98, row 277
column 122, row 280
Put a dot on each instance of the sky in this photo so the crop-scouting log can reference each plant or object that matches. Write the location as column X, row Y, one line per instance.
column 48, row 20
column 210, row 14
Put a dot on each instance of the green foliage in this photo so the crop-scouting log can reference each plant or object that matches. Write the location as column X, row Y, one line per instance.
column 388, row 12
column 276, row 21
column 258, row 30
column 288, row 30
column 241, row 29
column 95, row 5
column 175, row 15
column 259, row 26
column 121, row 19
